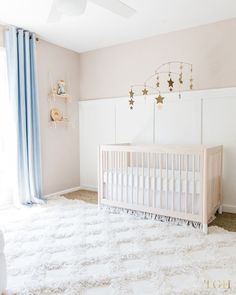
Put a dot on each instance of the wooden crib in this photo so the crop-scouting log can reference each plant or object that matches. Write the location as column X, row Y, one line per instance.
column 183, row 182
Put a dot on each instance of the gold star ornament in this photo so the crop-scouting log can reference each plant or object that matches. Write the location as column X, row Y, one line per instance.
column 159, row 99
column 171, row 83
column 168, row 81
column 158, row 82
column 131, row 94
column 191, row 83
column 131, row 103
column 145, row 91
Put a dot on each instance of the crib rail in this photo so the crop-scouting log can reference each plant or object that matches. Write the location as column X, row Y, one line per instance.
column 177, row 181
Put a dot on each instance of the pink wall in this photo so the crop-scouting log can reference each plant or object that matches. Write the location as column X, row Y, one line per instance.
column 60, row 146
column 211, row 48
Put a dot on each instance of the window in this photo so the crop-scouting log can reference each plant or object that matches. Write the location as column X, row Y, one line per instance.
column 7, row 146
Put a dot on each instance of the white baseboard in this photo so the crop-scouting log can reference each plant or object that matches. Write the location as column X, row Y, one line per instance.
column 89, row 188
column 69, row 190
column 229, row 208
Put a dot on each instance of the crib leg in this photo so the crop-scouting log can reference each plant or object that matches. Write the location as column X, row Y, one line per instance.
column 205, row 228
column 220, row 209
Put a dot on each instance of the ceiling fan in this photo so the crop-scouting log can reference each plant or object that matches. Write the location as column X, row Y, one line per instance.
column 77, row 7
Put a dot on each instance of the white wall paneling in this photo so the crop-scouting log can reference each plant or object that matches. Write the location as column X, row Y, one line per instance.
column 207, row 117
column 179, row 120
column 97, row 126
column 135, row 125
column 219, row 126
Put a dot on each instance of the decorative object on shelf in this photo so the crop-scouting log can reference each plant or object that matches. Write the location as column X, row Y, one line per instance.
column 175, row 74
column 59, row 91
column 60, row 103
column 56, row 115
column 61, row 87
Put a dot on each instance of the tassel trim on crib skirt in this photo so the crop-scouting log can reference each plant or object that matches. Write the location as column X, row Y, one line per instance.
column 146, row 215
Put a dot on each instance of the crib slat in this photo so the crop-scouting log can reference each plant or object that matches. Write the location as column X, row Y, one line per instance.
column 112, row 173
column 173, row 181
column 193, row 194
column 209, row 182
column 143, row 177
column 160, row 165
column 148, row 188
column 108, row 181
column 211, row 191
column 154, row 180
column 118, row 161
column 137, row 170
column 116, row 173
column 180, row 183
column 186, row 185
column 214, row 178
column 127, row 178
column 102, row 163
column 103, row 169
column 122, row 175
column 105, row 192
column 167, row 181
column 215, row 174
column 132, row 177
column 220, row 174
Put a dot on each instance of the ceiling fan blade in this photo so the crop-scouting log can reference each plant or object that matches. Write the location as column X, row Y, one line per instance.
column 54, row 15
column 71, row 7
column 116, row 6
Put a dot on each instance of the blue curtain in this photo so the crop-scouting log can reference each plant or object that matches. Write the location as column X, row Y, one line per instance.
column 21, row 59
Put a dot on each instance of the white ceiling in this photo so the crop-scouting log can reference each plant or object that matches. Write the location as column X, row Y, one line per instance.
column 99, row 28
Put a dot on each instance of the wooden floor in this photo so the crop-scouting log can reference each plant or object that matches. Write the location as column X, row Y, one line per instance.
column 87, row 196
column 225, row 220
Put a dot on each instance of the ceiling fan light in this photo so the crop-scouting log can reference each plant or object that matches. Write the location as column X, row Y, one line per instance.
column 71, row 7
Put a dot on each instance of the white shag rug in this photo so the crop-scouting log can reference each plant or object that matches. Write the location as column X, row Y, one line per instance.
column 71, row 247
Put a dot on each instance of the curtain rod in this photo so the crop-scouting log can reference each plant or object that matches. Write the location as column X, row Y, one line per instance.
column 7, row 29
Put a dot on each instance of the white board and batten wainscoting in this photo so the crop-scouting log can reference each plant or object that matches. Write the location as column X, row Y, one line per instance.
column 199, row 117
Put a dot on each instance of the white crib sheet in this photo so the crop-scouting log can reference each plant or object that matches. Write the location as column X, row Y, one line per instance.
column 139, row 177
column 141, row 184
